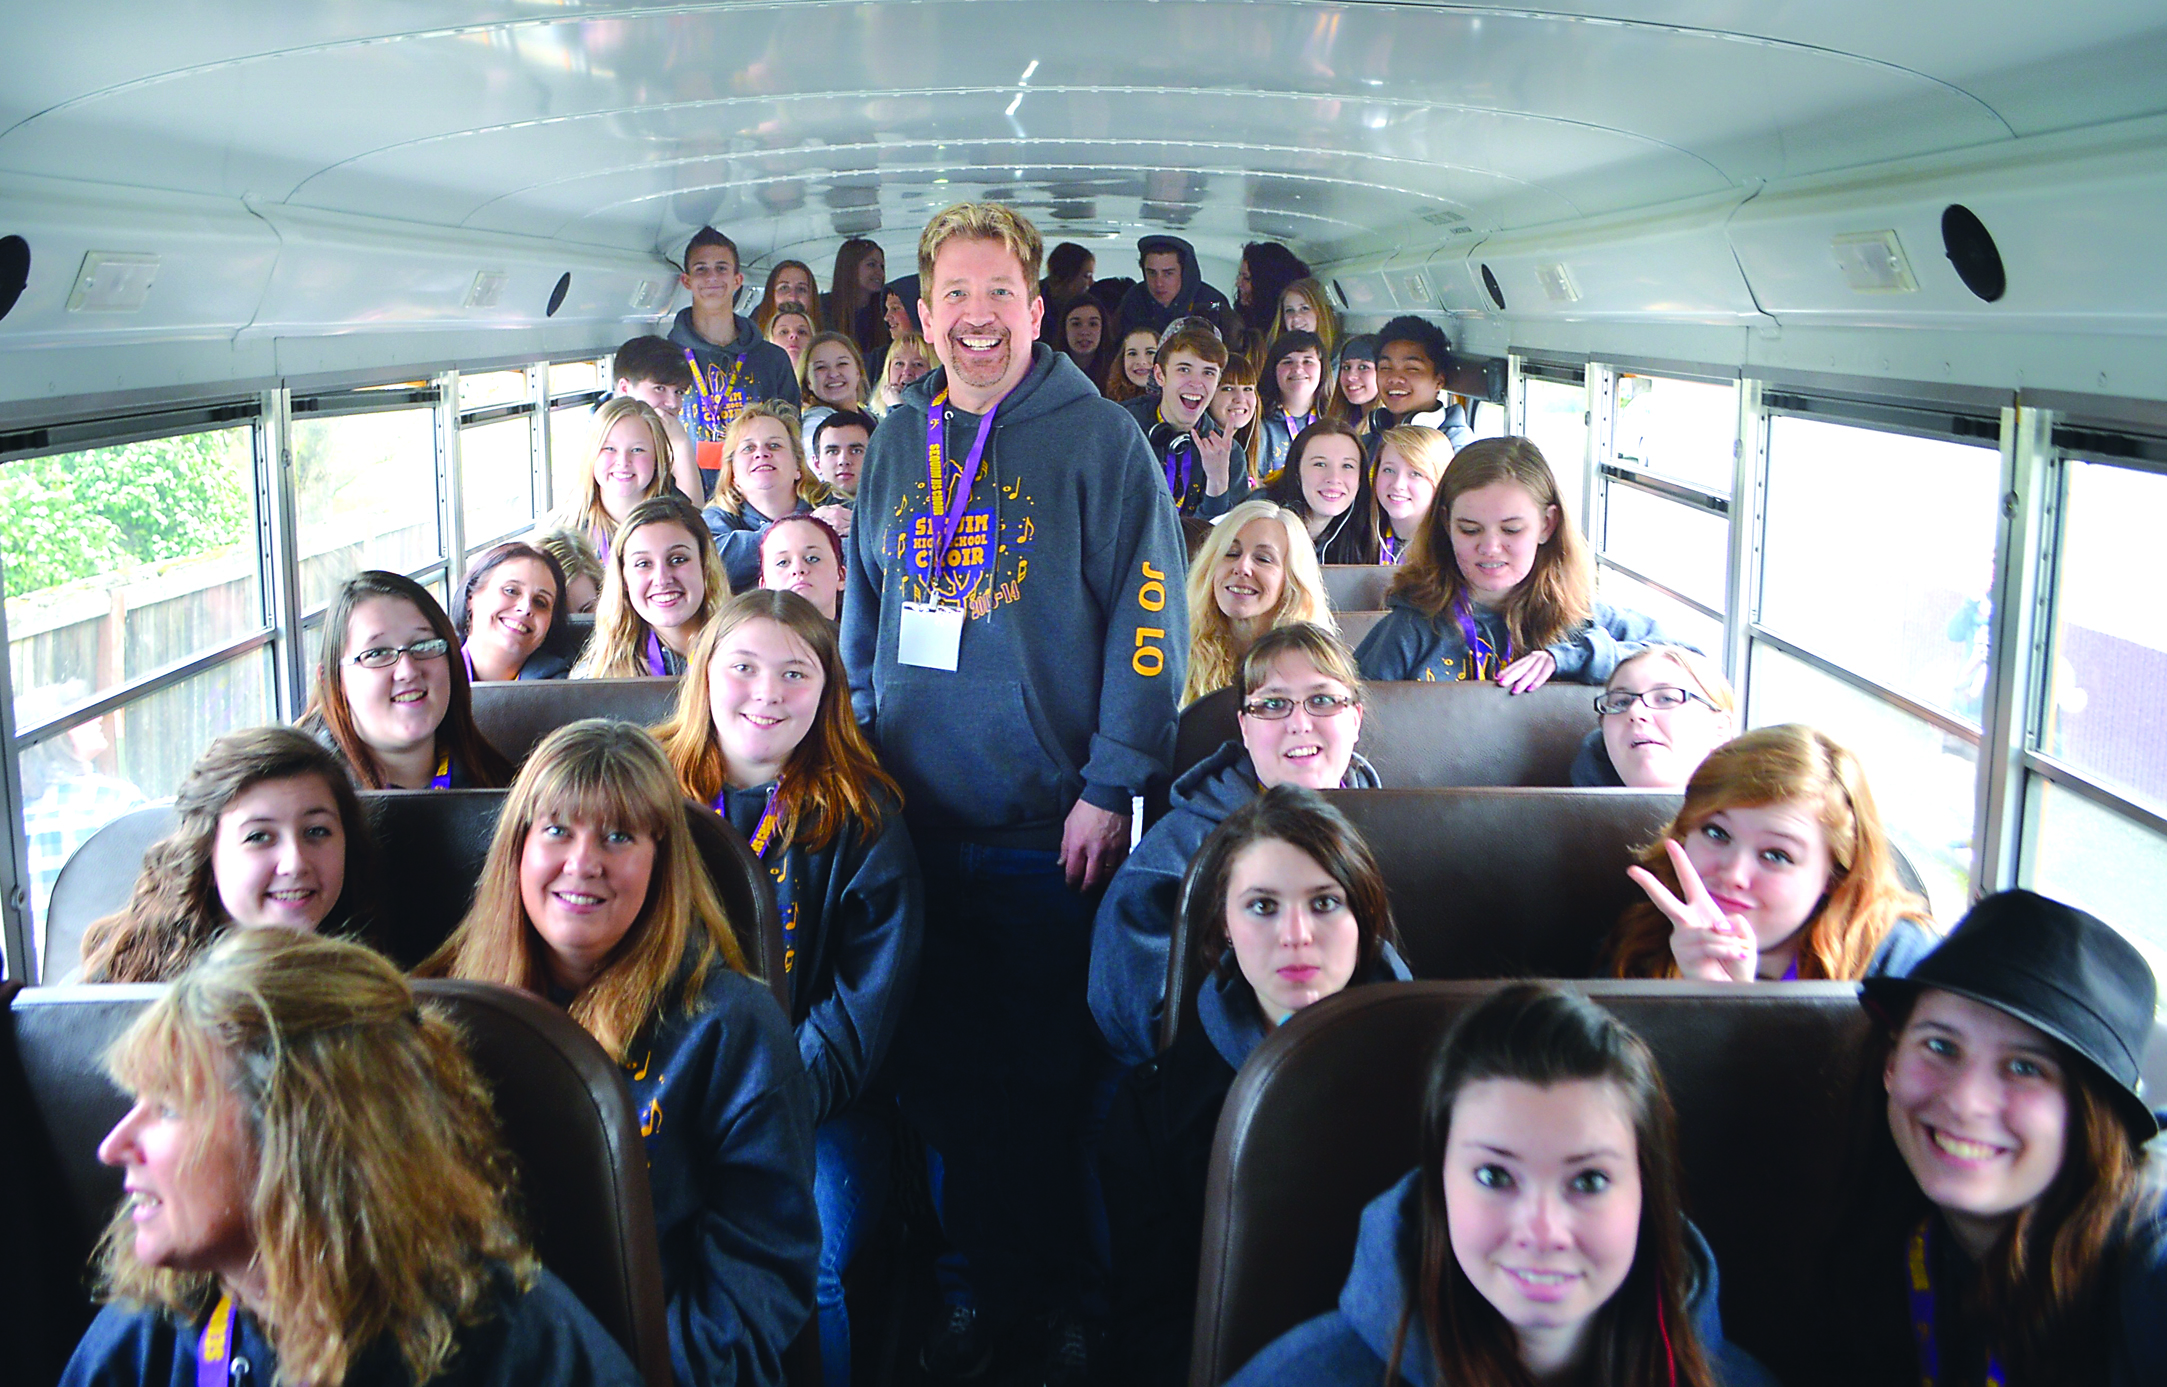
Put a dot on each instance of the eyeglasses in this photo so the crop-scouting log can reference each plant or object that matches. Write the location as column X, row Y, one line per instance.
column 1613, row 701
column 385, row 656
column 1320, row 705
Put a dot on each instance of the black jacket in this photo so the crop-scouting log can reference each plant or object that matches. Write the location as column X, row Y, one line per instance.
column 1139, row 309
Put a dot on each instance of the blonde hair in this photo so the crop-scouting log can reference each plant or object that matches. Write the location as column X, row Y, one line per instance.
column 980, row 221
column 1705, row 674
column 609, row 773
column 587, row 515
column 618, row 648
column 574, row 553
column 809, row 488
column 1327, row 329
column 1213, row 658
column 805, row 369
column 1558, row 595
column 1771, row 765
column 381, row 1195
column 832, row 776
column 1427, row 450
column 1315, row 642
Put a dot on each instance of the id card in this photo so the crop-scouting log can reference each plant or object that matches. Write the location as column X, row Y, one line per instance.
column 930, row 636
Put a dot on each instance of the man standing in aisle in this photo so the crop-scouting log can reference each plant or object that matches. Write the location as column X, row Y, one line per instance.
column 1016, row 638
column 732, row 366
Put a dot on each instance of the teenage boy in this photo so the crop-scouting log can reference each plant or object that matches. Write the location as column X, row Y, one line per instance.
column 1206, row 471
column 1016, row 640
column 653, row 370
column 1172, row 288
column 838, row 450
column 732, row 365
column 1412, row 357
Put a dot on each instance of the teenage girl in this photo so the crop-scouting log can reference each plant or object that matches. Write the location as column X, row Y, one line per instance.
column 1352, row 397
column 1542, row 1238
column 270, row 834
column 1498, row 584
column 1776, row 868
column 804, row 555
column 664, row 583
column 1411, row 460
column 791, row 327
column 1303, row 307
column 630, row 464
column 1129, row 374
column 390, row 701
column 1254, row 572
column 832, row 378
column 1290, row 391
column 2009, row 1225
column 789, row 282
column 1660, row 714
column 594, row 897
column 1285, row 907
column 509, row 614
column 764, row 733
column 1234, row 403
column 766, row 480
column 1325, row 483
column 1085, row 336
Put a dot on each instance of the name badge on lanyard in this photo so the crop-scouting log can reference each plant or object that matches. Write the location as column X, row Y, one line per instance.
column 930, row 634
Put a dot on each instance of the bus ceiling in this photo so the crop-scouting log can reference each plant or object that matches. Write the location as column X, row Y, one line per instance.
column 259, row 191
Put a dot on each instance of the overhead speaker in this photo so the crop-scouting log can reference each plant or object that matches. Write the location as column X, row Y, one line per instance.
column 556, row 295
column 1971, row 249
column 1489, row 283
column 14, row 271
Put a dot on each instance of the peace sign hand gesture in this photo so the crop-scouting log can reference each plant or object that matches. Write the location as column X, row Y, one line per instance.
column 1216, row 451
column 1709, row 945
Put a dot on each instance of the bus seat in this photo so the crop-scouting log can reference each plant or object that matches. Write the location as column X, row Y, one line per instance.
column 515, row 716
column 1487, row 882
column 563, row 1106
column 1423, row 736
column 1193, row 534
column 1324, row 1117
column 1353, row 626
column 1357, row 587
column 430, row 851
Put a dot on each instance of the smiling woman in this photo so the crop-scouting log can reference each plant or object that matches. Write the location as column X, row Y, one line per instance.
column 508, row 614
column 663, row 584
column 270, row 834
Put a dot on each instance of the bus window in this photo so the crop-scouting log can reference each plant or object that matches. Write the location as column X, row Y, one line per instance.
column 496, row 462
column 2098, row 860
column 1556, row 419
column 1682, row 430
column 1681, row 621
column 1878, row 555
column 366, row 497
column 1684, row 548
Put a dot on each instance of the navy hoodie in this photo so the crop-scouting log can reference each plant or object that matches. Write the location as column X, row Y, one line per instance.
column 1592, row 765
column 755, row 368
column 737, row 535
column 856, row 911
column 727, row 1116
column 1070, row 564
column 1135, row 924
column 1153, row 1159
column 1171, row 444
column 542, row 1337
column 1409, row 645
column 1139, row 310
column 1348, row 1347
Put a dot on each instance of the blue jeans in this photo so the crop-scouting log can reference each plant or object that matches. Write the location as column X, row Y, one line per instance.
column 991, row 1070
column 850, row 1175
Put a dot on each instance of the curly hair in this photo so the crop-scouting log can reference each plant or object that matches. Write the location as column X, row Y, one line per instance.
column 175, row 912
column 381, row 1199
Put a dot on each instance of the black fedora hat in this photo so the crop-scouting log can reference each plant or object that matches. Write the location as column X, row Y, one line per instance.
column 2052, row 967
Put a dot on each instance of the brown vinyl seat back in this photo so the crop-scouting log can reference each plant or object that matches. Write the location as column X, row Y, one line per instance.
column 1425, row 736
column 1325, row 1116
column 431, row 846
column 563, row 1105
column 1488, row 882
column 515, row 716
column 1357, row 587
column 1355, row 626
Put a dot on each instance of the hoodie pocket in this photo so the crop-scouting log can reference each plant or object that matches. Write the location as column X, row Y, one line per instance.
column 972, row 752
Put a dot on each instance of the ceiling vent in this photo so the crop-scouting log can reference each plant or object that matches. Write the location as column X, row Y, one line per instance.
column 113, row 282
column 1970, row 248
column 14, row 271
column 1557, row 283
column 487, row 291
column 1873, row 263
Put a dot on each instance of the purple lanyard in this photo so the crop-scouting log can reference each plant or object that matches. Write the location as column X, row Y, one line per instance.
column 214, row 1352
column 1790, row 974
column 1479, row 649
column 600, row 535
column 763, row 834
column 467, row 656
column 442, row 779
column 655, row 663
column 1922, row 1315
column 1389, row 546
column 947, row 511
column 1294, row 430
